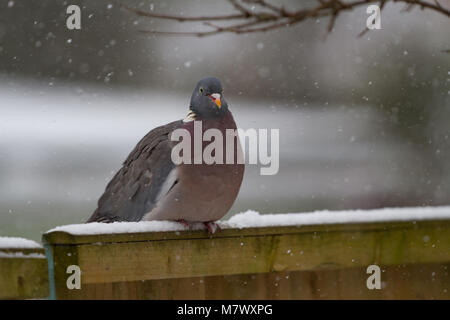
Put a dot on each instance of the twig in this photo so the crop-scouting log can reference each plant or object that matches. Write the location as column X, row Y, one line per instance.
column 264, row 16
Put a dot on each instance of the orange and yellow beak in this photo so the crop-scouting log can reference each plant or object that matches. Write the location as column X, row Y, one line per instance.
column 216, row 98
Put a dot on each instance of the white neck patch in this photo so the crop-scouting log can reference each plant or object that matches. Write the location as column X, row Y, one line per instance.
column 190, row 116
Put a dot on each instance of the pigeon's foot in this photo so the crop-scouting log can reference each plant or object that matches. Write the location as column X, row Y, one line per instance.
column 184, row 222
column 211, row 226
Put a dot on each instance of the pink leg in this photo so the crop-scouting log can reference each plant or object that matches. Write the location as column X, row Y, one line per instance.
column 211, row 226
column 184, row 222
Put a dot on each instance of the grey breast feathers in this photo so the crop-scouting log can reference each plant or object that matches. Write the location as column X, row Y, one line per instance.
column 137, row 186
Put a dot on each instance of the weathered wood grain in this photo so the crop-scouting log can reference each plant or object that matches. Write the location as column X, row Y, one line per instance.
column 428, row 281
column 23, row 274
column 136, row 265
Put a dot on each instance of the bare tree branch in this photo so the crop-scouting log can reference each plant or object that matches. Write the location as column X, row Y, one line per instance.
column 179, row 18
column 260, row 15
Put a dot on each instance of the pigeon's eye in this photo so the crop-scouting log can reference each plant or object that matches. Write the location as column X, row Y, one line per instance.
column 201, row 90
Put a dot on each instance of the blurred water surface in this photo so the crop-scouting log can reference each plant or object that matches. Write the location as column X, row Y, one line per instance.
column 60, row 145
column 364, row 121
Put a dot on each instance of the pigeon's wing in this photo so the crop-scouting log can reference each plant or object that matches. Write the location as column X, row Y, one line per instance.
column 136, row 187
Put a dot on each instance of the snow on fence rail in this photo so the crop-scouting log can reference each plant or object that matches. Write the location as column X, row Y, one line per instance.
column 292, row 256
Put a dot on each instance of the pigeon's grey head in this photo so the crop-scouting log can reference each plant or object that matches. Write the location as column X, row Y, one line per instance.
column 207, row 100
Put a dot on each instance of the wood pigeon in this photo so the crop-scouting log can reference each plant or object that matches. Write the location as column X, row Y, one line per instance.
column 150, row 186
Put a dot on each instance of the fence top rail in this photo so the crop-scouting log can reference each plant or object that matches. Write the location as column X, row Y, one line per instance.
column 17, row 243
column 252, row 224
column 20, row 248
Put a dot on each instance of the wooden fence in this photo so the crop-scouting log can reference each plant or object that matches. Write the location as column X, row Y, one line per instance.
column 293, row 262
column 23, row 273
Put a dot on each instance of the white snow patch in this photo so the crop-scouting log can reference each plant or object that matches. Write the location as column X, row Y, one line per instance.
column 122, row 227
column 252, row 219
column 13, row 242
column 21, row 255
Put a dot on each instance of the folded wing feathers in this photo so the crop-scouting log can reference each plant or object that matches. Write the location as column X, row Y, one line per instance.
column 141, row 181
